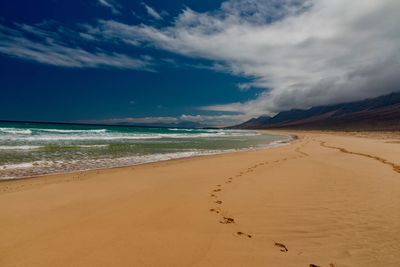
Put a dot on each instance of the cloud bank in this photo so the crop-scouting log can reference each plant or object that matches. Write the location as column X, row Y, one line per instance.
column 303, row 53
column 206, row 120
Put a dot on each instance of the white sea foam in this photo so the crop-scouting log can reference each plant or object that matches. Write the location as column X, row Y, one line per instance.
column 44, row 134
column 73, row 131
column 26, row 169
column 183, row 129
column 15, row 131
column 24, row 165
column 19, row 147
column 28, row 144
column 39, row 147
column 119, row 136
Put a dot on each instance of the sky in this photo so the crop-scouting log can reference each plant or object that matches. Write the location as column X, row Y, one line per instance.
column 210, row 62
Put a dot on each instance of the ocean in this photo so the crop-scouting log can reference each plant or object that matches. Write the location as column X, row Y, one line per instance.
column 31, row 149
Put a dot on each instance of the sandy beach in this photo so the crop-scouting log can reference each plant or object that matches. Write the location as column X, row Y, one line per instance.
column 323, row 200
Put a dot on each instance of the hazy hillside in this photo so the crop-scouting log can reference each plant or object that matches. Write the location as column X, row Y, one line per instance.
column 380, row 113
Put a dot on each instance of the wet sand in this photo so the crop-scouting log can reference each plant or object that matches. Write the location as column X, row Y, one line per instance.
column 326, row 199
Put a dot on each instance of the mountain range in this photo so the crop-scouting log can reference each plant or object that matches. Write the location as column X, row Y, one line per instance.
column 375, row 114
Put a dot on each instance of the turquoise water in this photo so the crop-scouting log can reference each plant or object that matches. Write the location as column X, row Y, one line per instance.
column 28, row 149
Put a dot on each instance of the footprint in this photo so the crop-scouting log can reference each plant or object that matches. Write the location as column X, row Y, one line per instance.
column 216, row 190
column 228, row 182
column 212, row 195
column 313, row 265
column 243, row 234
column 214, row 210
column 227, row 220
column 282, row 247
column 218, row 202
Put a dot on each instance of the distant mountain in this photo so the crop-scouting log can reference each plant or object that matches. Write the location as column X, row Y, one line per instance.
column 380, row 113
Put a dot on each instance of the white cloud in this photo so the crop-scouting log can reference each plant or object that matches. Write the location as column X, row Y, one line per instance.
column 215, row 120
column 210, row 120
column 303, row 53
column 114, row 7
column 138, row 120
column 152, row 12
column 49, row 47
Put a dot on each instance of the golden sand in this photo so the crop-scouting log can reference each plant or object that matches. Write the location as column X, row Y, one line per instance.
column 324, row 200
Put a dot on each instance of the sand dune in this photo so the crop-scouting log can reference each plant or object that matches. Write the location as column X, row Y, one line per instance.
column 324, row 200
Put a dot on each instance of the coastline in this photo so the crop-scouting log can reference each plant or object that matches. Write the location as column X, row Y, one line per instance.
column 165, row 157
column 326, row 207
column 68, row 176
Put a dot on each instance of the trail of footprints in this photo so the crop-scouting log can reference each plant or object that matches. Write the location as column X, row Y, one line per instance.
column 229, row 220
column 214, row 194
column 216, row 200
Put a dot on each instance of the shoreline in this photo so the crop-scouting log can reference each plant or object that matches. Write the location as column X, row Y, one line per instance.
column 290, row 138
column 6, row 185
column 293, row 205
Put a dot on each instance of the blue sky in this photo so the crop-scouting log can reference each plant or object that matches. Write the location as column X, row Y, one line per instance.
column 168, row 86
column 211, row 62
